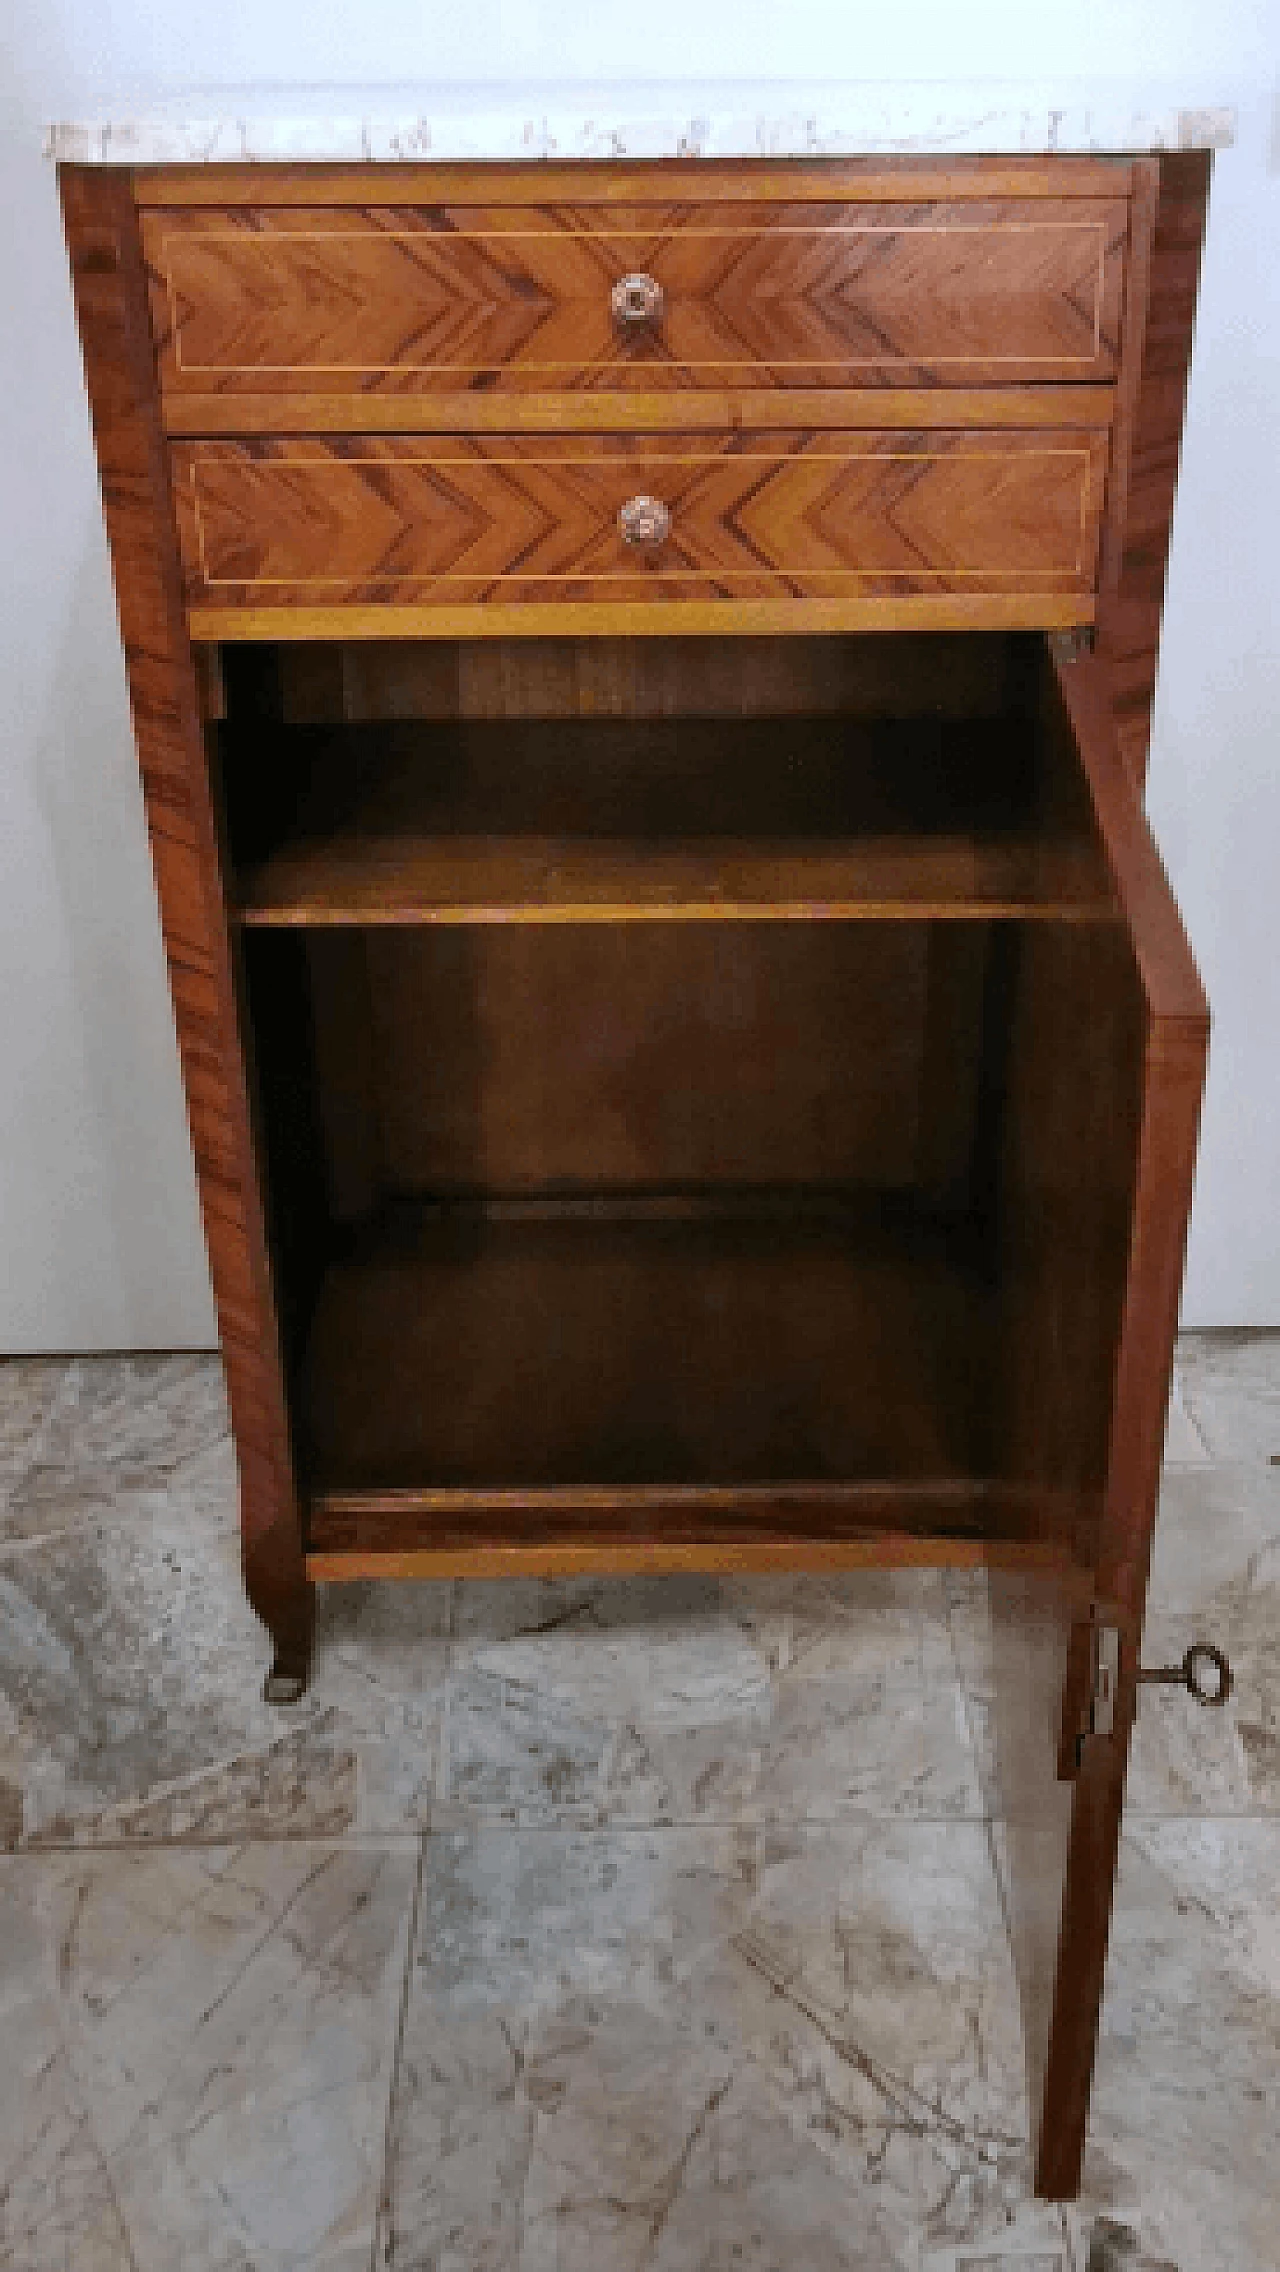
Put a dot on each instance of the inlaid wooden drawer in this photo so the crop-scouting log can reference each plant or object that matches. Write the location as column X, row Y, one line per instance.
column 417, row 299
column 586, row 519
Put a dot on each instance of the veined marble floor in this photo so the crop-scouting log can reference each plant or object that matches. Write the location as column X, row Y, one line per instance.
column 592, row 1927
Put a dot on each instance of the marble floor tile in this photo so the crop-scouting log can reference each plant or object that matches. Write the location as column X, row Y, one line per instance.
column 1031, row 2237
column 711, row 1974
column 1182, row 2136
column 1114, row 2244
column 684, row 1700
column 684, row 2049
column 197, row 2057
column 131, row 1671
column 1213, row 1522
column 84, row 1437
column 1230, row 1384
column 28, row 1389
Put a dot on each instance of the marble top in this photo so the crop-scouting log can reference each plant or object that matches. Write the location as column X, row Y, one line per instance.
column 786, row 120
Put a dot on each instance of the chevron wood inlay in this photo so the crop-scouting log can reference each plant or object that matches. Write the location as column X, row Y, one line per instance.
column 526, row 519
column 424, row 299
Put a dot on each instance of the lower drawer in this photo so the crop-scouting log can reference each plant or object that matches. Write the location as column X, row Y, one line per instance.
column 565, row 523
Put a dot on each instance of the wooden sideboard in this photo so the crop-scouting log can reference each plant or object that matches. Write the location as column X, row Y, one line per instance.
column 642, row 677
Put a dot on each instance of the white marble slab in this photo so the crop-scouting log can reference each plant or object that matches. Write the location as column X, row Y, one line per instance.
column 784, row 120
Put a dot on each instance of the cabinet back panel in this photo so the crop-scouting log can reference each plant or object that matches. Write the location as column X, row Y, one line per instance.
column 692, row 1056
column 875, row 675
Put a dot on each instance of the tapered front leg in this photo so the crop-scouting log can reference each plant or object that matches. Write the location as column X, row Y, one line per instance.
column 284, row 1598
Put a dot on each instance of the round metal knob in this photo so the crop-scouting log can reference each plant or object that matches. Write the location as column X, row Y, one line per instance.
column 644, row 522
column 637, row 303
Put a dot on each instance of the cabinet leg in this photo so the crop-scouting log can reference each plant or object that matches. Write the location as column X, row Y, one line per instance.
column 284, row 1598
column 286, row 1683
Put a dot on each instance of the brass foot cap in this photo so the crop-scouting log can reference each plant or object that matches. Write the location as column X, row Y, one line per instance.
column 282, row 1687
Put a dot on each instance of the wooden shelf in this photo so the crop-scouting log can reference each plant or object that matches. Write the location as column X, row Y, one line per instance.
column 602, row 821
column 554, row 1373
column 415, row 1534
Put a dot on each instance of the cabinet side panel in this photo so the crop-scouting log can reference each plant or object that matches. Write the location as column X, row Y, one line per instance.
column 110, row 296
column 1130, row 602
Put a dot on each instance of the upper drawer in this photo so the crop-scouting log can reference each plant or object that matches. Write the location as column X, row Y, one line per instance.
column 439, row 299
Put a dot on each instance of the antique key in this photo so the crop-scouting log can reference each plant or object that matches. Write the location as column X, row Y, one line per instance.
column 1204, row 1671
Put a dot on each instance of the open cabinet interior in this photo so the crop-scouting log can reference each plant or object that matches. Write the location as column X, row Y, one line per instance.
column 698, row 1085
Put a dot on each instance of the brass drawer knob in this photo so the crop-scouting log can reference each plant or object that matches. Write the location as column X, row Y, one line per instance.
column 637, row 303
column 644, row 522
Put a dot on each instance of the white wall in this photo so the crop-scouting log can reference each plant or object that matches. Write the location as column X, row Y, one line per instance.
column 99, row 1238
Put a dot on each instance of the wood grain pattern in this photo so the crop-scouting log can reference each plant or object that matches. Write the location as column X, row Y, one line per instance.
column 401, row 879
column 519, row 521
column 447, row 298
column 1175, row 996
column 1137, row 291
column 658, row 1059
column 967, row 611
column 896, row 676
column 110, row 294
column 529, row 1348
column 610, row 182
column 694, row 409
column 610, row 1556
column 566, row 1532
column 1132, row 597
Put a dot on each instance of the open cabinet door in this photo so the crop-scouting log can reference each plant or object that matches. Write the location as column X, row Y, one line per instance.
column 1108, row 1035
